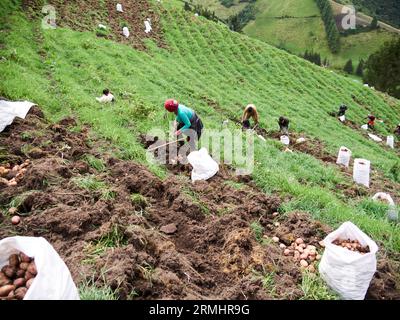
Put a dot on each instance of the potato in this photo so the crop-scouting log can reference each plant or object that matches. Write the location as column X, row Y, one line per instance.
column 299, row 249
column 20, row 293
column 282, row 246
column 24, row 265
column 311, row 268
column 11, row 294
column 286, row 252
column 304, row 263
column 12, row 210
column 28, row 275
column 4, row 281
column 10, row 271
column 20, row 273
column 29, row 282
column 275, row 239
column 299, row 241
column 15, row 220
column 318, row 257
column 13, row 260
column 32, row 268
column 19, row 282
column 5, row 290
column 24, row 257
column 303, row 256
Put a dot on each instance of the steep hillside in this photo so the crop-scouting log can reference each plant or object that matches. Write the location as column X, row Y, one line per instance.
column 297, row 26
column 217, row 72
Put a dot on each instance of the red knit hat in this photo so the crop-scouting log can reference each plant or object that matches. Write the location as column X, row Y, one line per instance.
column 171, row 105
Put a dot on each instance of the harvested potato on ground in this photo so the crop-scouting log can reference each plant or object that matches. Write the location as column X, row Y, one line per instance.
column 13, row 260
column 5, row 290
column 20, row 293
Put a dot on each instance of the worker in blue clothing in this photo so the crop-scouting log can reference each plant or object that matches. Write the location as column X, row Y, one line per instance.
column 187, row 121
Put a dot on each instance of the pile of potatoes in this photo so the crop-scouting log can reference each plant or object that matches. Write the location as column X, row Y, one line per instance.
column 11, row 176
column 352, row 245
column 305, row 255
column 17, row 277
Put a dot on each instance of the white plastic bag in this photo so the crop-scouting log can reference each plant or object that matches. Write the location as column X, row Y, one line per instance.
column 102, row 26
column 301, row 140
column 374, row 137
column 383, row 196
column 9, row 110
column 349, row 273
column 204, row 167
column 285, row 140
column 361, row 171
column 119, row 7
column 364, row 126
column 147, row 26
column 390, row 141
column 53, row 280
column 125, row 32
column 344, row 156
column 342, row 118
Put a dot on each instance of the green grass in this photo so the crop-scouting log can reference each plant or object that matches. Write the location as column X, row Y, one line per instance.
column 139, row 200
column 204, row 60
column 88, row 290
column 113, row 239
column 94, row 162
column 258, row 230
column 314, row 288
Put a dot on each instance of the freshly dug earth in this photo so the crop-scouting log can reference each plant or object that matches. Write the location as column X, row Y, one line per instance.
column 148, row 238
column 86, row 15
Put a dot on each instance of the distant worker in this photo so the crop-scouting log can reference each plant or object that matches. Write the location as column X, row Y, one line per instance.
column 284, row 125
column 249, row 112
column 187, row 121
column 371, row 121
column 106, row 97
column 397, row 130
column 342, row 110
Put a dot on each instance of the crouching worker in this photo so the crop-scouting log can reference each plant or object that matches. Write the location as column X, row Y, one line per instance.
column 187, row 122
column 106, row 97
column 371, row 121
column 342, row 110
column 284, row 125
column 397, row 130
column 250, row 112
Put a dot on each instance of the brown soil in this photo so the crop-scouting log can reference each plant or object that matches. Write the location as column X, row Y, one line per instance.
column 86, row 15
column 212, row 254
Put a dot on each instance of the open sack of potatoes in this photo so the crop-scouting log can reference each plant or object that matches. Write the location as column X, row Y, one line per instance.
column 32, row 270
column 349, row 261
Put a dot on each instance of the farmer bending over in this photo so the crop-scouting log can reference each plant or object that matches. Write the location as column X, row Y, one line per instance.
column 106, row 97
column 397, row 130
column 284, row 125
column 342, row 110
column 249, row 112
column 186, row 122
column 371, row 121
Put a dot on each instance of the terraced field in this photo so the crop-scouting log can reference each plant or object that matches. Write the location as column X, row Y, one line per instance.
column 217, row 72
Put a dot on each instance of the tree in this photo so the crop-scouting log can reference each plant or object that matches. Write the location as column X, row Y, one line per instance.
column 382, row 69
column 360, row 68
column 374, row 23
column 349, row 67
